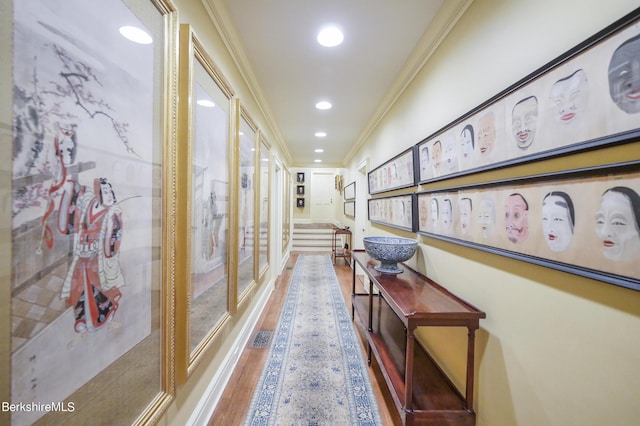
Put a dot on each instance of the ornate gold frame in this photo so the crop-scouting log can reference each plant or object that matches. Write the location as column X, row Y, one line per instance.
column 192, row 53
column 239, row 294
column 112, row 385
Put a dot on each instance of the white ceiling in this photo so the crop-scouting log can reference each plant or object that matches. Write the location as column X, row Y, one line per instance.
column 385, row 42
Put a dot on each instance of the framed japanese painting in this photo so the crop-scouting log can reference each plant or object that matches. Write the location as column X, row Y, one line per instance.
column 350, row 208
column 264, row 201
column 202, row 202
column 246, row 203
column 89, row 193
column 286, row 209
column 584, row 221
column 397, row 173
column 398, row 211
column 584, row 99
column 350, row 191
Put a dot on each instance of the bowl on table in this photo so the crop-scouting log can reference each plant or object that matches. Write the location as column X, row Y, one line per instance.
column 389, row 251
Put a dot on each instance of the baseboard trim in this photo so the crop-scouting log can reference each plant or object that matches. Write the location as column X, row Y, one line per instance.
column 211, row 397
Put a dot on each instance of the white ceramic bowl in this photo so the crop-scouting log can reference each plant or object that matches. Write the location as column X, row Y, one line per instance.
column 389, row 251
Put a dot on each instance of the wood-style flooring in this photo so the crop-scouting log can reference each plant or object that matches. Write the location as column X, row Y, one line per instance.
column 235, row 401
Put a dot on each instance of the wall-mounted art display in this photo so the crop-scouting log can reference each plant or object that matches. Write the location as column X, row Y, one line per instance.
column 286, row 209
column 92, row 184
column 300, row 177
column 350, row 191
column 398, row 211
column 300, row 202
column 339, row 183
column 247, row 143
column 585, row 222
column 203, row 202
column 584, row 99
column 300, row 189
column 263, row 210
column 399, row 172
column 350, row 208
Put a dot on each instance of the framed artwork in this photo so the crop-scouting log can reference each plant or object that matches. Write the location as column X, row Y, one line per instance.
column 300, row 202
column 350, row 208
column 264, row 202
column 300, row 189
column 202, row 202
column 300, row 177
column 579, row 101
column 286, row 209
column 246, row 196
column 90, row 197
column 339, row 183
column 585, row 221
column 350, row 191
column 398, row 211
column 397, row 173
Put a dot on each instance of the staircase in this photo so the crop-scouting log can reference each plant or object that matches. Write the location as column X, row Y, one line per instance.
column 312, row 237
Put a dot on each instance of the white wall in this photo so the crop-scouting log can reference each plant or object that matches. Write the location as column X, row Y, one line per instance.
column 555, row 349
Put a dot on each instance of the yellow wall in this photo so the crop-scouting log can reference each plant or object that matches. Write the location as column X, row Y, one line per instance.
column 555, row 348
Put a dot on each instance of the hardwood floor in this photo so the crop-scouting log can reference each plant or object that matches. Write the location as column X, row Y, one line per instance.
column 235, row 401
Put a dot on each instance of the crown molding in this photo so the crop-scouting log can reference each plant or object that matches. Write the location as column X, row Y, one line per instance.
column 449, row 14
column 219, row 15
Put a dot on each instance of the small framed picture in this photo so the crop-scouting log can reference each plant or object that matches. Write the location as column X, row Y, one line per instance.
column 300, row 177
column 300, row 190
column 300, row 202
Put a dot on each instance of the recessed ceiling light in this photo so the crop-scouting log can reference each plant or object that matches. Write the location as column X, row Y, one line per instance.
column 136, row 35
column 330, row 37
column 320, row 134
column 205, row 103
column 317, row 161
column 318, row 150
column 323, row 105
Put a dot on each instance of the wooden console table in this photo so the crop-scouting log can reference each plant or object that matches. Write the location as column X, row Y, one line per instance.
column 338, row 249
column 422, row 393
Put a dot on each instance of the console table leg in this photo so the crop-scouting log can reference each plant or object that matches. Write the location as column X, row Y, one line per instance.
column 408, row 375
column 470, row 368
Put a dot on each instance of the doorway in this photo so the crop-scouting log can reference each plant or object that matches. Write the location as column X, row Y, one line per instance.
column 322, row 190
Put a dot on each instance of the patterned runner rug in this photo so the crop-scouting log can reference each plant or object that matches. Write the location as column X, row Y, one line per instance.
column 315, row 373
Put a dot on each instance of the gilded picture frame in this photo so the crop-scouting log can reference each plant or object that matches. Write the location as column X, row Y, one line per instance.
column 203, row 202
column 583, row 221
column 264, row 210
column 579, row 101
column 286, row 209
column 246, row 172
column 92, row 209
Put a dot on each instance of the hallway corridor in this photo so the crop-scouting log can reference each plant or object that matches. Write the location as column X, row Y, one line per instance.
column 235, row 401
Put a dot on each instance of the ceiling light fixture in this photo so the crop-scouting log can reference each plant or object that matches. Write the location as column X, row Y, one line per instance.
column 318, row 150
column 317, row 161
column 323, row 105
column 136, row 35
column 330, row 37
column 320, row 134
